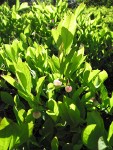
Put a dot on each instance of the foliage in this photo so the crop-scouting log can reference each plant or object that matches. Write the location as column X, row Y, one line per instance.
column 107, row 3
column 95, row 32
column 51, row 96
column 36, row 23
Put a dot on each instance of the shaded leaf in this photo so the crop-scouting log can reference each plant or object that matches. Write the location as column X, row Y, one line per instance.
column 110, row 135
column 54, row 143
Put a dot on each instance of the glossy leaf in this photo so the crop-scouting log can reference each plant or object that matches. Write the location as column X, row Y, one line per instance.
column 69, row 111
column 100, row 78
column 7, row 133
column 53, row 111
column 90, row 136
column 11, row 81
column 23, row 76
column 54, row 144
column 95, row 118
column 64, row 34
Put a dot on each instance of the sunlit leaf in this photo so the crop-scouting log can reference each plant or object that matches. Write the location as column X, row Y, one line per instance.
column 39, row 86
column 90, row 136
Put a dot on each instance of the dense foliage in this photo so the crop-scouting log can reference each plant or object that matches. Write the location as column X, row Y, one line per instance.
column 71, row 3
column 52, row 77
column 107, row 3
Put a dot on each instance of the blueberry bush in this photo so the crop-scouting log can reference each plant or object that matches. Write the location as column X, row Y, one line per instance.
column 53, row 91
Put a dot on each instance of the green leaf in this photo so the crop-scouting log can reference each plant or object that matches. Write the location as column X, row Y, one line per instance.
column 104, row 93
column 52, row 66
column 100, row 79
column 47, row 130
column 52, row 105
column 53, row 111
column 20, row 115
column 86, row 97
column 93, row 74
column 87, row 66
column 30, row 54
column 67, row 39
column 69, row 111
column 22, row 80
column 79, row 9
column 28, row 97
column 24, row 132
column 29, row 117
column 77, row 147
column 72, row 62
column 97, row 82
column 64, row 112
column 78, row 92
column 50, row 90
column 87, row 70
column 77, row 60
column 39, row 87
column 15, row 15
column 10, row 65
column 15, row 49
column 17, row 5
column 8, row 135
column 73, row 111
column 56, row 35
column 56, row 61
column 69, row 26
column 11, row 81
column 7, row 98
column 111, row 103
column 52, row 115
column 95, row 118
column 23, row 37
column 110, row 135
column 23, row 6
column 90, row 136
column 27, row 30
column 86, row 76
column 11, row 52
column 54, row 143
column 18, row 104
column 64, row 34
column 23, row 76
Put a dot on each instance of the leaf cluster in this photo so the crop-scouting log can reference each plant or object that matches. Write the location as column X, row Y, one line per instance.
column 29, row 65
